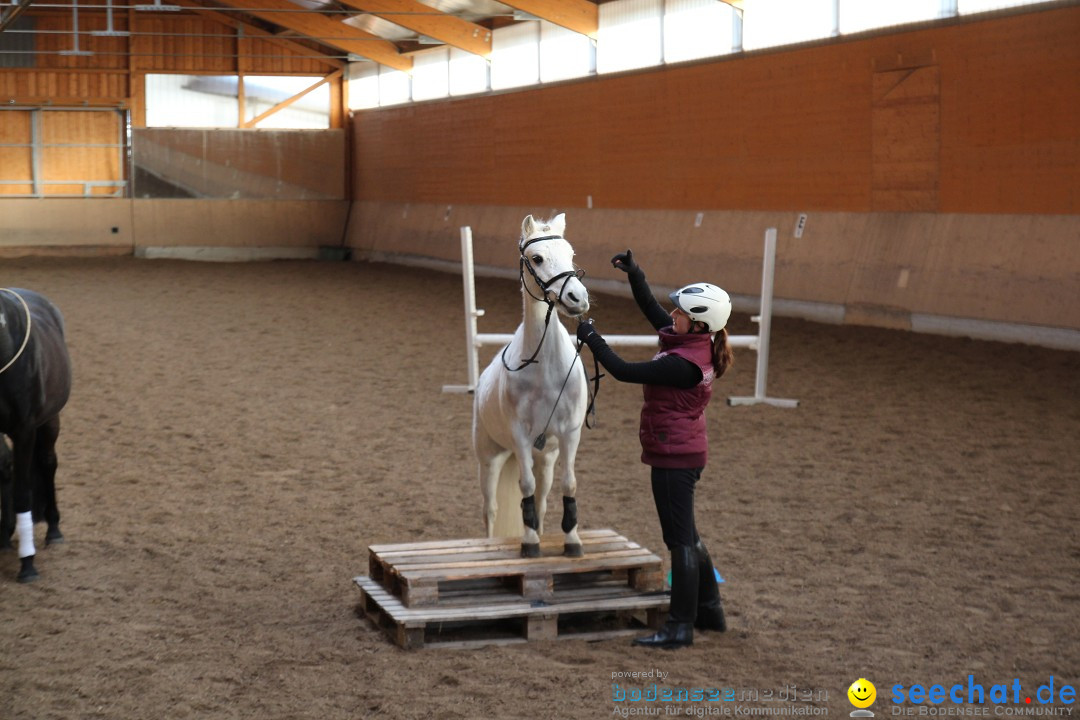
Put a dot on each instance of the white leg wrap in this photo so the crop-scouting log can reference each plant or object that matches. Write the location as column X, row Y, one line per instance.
column 24, row 524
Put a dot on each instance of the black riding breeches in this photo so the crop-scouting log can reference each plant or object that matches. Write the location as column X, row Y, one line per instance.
column 673, row 493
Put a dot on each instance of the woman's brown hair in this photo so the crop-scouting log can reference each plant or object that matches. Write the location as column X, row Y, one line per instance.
column 722, row 357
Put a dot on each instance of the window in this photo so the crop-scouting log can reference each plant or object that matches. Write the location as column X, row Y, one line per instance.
column 515, row 55
column 394, row 86
column 696, row 29
column 468, row 73
column 859, row 15
column 214, row 101
column 311, row 111
column 363, row 85
column 431, row 74
column 192, row 101
column 965, row 7
column 564, row 53
column 768, row 23
column 629, row 35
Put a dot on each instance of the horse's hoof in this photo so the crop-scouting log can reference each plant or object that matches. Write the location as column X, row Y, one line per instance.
column 54, row 537
column 573, row 550
column 27, row 573
column 530, row 550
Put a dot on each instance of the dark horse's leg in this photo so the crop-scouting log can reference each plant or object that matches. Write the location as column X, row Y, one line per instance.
column 45, row 480
column 23, row 501
column 7, row 502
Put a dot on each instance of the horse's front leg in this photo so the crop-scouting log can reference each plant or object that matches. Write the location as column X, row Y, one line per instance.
column 22, row 497
column 7, row 509
column 530, row 517
column 572, row 544
column 45, row 506
column 544, row 471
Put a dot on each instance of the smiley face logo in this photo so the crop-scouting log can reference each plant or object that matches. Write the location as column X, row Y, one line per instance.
column 862, row 693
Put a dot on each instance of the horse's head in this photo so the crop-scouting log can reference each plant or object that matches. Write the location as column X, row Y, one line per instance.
column 547, row 265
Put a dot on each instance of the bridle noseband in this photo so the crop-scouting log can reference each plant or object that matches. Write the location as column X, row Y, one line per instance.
column 545, row 285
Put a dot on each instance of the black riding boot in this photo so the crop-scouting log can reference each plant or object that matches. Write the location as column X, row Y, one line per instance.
column 678, row 631
column 710, row 610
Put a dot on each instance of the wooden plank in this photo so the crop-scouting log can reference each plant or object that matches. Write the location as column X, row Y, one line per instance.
column 418, row 557
column 327, row 31
column 474, row 542
column 501, row 624
column 455, row 560
column 620, row 558
column 542, row 627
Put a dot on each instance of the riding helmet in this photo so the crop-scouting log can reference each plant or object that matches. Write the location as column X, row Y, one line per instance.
column 704, row 302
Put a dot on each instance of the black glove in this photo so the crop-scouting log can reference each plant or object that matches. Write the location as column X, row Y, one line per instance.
column 585, row 330
column 625, row 262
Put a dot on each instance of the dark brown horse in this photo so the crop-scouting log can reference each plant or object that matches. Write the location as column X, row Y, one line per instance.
column 35, row 382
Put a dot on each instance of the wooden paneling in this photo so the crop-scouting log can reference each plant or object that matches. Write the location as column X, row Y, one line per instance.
column 55, row 42
column 15, row 162
column 80, row 146
column 76, row 145
column 61, row 87
column 790, row 129
column 183, row 43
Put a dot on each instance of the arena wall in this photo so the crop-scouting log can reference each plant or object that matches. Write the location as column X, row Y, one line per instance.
column 939, row 168
column 211, row 229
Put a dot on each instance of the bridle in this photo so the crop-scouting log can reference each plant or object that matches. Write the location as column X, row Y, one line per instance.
column 545, row 287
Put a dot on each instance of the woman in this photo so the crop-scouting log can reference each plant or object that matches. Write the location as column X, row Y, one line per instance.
column 677, row 387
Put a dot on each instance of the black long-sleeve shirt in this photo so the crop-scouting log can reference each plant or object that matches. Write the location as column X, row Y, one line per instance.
column 670, row 370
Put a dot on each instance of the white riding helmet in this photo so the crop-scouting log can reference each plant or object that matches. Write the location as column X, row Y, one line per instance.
column 704, row 302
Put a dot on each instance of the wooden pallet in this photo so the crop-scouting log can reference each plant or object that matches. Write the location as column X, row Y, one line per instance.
column 465, row 593
column 427, row 574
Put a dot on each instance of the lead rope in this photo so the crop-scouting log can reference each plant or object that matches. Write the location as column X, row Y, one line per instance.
column 590, row 411
column 29, row 324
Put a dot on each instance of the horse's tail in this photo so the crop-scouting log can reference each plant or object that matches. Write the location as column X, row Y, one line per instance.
column 508, row 521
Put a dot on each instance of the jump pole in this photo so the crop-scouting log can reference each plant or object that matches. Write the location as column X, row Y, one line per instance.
column 474, row 340
column 764, row 321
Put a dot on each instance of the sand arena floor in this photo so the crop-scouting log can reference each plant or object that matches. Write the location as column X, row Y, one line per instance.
column 239, row 434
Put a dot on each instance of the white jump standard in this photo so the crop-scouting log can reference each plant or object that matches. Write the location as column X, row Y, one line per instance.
column 474, row 340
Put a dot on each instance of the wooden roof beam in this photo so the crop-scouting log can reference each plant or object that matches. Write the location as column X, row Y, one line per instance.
column 326, row 31
column 254, row 31
column 425, row 20
column 289, row 101
column 8, row 15
column 581, row 16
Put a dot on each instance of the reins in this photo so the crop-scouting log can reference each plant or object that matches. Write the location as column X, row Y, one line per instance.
column 590, row 411
column 29, row 324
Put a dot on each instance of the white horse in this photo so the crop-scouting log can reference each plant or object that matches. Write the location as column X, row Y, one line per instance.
column 532, row 399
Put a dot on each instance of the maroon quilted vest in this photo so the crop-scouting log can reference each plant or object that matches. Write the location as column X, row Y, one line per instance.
column 672, row 432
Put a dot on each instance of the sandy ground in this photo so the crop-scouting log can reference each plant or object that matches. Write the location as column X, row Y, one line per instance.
column 239, row 434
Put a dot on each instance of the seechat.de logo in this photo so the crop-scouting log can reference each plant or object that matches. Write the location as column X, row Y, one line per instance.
column 862, row 694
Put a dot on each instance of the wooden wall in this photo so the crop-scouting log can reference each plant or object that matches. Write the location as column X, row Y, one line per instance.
column 940, row 168
column 192, row 42
column 970, row 117
column 260, row 228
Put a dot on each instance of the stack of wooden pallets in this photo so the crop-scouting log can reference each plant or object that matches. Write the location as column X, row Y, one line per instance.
column 460, row 593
